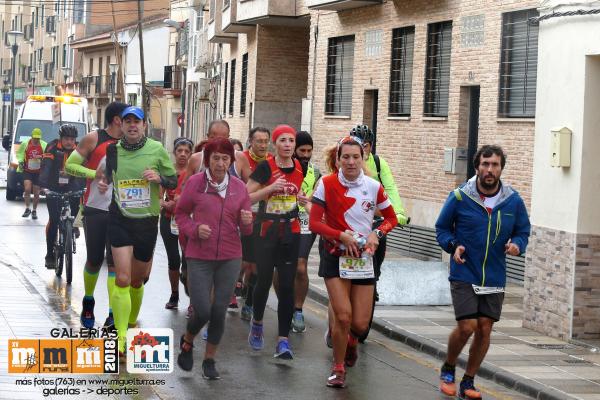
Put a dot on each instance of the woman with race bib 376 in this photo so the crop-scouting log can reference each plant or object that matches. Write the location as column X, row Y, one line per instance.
column 343, row 206
column 277, row 181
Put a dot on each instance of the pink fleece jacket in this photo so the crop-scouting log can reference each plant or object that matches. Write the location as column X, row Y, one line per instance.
column 201, row 204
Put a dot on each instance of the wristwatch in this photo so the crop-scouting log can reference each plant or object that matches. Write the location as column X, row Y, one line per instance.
column 379, row 233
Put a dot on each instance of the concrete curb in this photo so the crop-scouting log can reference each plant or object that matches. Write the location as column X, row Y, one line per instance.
column 487, row 370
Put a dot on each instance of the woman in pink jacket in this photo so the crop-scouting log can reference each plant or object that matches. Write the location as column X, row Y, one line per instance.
column 212, row 211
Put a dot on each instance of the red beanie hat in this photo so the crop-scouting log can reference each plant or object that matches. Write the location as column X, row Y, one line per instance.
column 280, row 130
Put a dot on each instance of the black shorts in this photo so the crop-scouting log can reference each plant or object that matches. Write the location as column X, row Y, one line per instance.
column 329, row 267
column 468, row 305
column 249, row 243
column 31, row 176
column 306, row 244
column 141, row 233
column 95, row 226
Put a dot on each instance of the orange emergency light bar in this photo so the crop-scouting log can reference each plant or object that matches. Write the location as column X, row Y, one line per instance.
column 58, row 99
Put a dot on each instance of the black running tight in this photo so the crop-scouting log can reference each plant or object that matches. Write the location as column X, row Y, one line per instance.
column 272, row 253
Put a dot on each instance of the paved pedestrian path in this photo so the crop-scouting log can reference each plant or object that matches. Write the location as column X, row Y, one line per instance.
column 522, row 359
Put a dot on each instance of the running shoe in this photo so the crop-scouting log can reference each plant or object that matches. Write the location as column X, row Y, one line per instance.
column 468, row 390
column 328, row 339
column 49, row 262
column 298, row 325
column 27, row 213
column 189, row 312
column 337, row 378
column 87, row 312
column 204, row 334
column 255, row 337
column 283, row 350
column 448, row 381
column 173, row 302
column 185, row 360
column 233, row 305
column 34, row 214
column 351, row 355
column 209, row 371
column 246, row 313
column 109, row 323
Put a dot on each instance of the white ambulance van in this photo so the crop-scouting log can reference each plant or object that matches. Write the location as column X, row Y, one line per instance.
column 47, row 112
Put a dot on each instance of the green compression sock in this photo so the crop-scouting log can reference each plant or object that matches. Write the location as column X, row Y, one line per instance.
column 137, row 294
column 110, row 285
column 121, row 303
column 89, row 282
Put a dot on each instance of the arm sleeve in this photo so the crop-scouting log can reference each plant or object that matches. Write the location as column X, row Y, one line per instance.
column 316, row 224
column 262, row 173
column 21, row 151
column 389, row 220
column 522, row 228
column 387, row 180
column 74, row 166
column 184, row 210
column 444, row 226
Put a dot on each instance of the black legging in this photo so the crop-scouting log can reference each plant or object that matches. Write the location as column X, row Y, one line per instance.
column 379, row 255
column 54, row 204
column 171, row 244
column 273, row 253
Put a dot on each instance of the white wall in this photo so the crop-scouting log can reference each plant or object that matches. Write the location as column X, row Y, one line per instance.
column 156, row 55
column 564, row 43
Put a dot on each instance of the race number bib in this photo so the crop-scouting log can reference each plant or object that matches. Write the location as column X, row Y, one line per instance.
column 63, row 178
column 134, row 193
column 34, row 164
column 303, row 216
column 356, row 268
column 281, row 204
column 481, row 290
column 174, row 227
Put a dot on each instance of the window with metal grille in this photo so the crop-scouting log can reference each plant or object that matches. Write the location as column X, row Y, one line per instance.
column 340, row 67
column 437, row 70
column 518, row 65
column 244, row 84
column 403, row 45
column 211, row 10
column 225, row 90
column 232, row 88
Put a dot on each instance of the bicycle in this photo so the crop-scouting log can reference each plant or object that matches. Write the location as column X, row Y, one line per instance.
column 65, row 246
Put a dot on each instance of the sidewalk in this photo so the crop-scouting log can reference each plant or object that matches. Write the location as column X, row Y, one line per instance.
column 521, row 359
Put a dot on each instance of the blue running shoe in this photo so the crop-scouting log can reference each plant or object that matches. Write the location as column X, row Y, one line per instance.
column 87, row 312
column 246, row 313
column 205, row 334
column 298, row 325
column 255, row 337
column 283, row 350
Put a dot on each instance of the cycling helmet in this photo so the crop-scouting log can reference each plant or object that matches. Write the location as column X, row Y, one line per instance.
column 363, row 133
column 68, row 131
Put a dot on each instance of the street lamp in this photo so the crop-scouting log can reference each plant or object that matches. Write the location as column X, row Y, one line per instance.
column 13, row 38
column 113, row 68
column 33, row 73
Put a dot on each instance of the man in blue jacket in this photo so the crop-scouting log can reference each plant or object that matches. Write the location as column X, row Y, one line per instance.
column 481, row 222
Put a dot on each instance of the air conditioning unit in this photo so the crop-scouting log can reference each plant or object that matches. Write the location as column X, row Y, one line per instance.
column 203, row 89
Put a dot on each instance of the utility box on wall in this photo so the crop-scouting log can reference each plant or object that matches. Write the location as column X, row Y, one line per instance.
column 455, row 160
column 561, row 147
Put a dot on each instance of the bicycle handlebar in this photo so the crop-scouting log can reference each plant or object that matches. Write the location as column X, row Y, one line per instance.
column 73, row 193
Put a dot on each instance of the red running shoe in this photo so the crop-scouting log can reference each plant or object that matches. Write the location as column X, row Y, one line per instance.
column 337, row 379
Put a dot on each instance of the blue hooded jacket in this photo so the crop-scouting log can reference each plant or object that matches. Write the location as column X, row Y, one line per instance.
column 465, row 220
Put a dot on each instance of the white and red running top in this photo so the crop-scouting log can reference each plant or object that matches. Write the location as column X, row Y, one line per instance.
column 349, row 205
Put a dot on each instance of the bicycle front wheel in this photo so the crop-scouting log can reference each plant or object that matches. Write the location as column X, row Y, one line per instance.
column 59, row 252
column 68, row 249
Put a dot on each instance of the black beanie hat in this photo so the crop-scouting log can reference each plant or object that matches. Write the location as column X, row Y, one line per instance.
column 302, row 138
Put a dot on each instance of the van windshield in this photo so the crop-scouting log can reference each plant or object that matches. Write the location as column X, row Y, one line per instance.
column 49, row 130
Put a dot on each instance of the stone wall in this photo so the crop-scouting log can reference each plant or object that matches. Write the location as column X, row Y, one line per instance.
column 586, row 310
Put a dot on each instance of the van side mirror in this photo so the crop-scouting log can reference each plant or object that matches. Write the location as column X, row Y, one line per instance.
column 6, row 142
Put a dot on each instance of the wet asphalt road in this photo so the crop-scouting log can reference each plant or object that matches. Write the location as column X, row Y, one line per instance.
column 385, row 370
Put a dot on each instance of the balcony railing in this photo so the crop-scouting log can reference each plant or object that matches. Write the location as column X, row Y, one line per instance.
column 229, row 22
column 215, row 27
column 183, row 41
column 273, row 12
column 173, row 77
column 95, row 86
column 51, row 25
column 28, row 32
